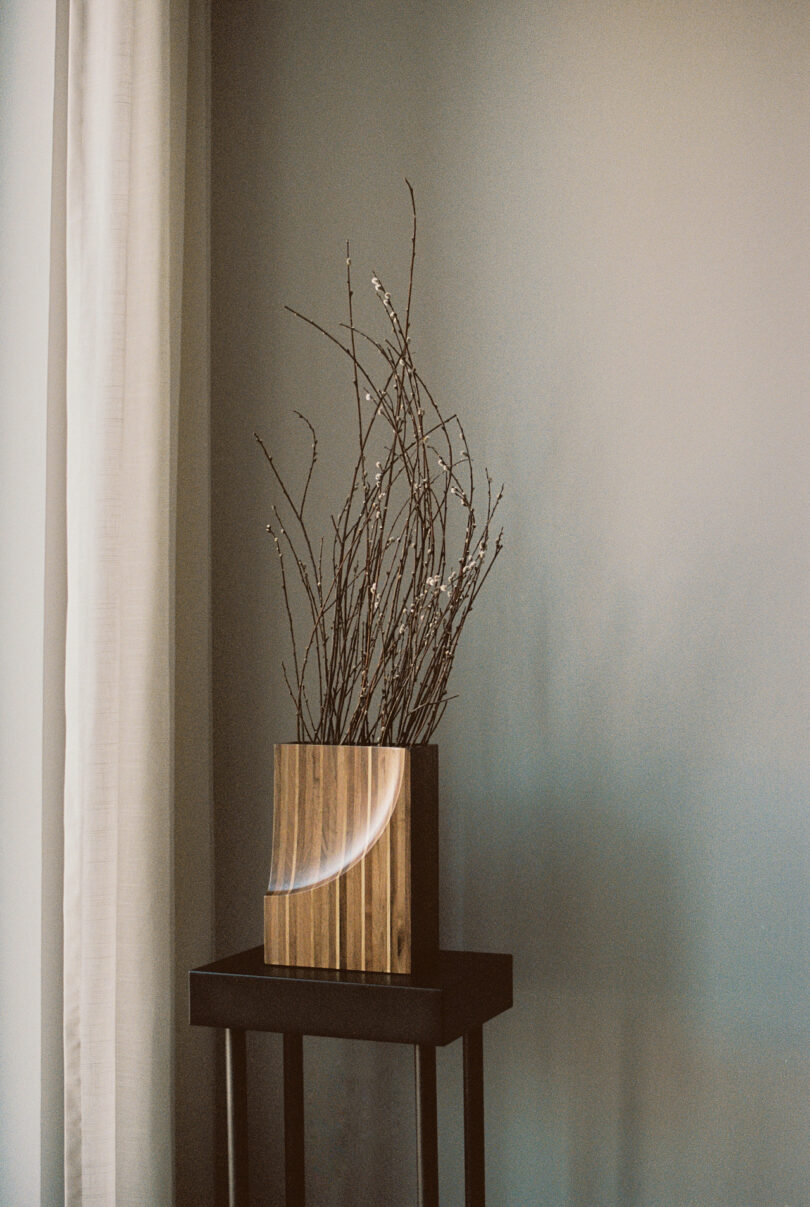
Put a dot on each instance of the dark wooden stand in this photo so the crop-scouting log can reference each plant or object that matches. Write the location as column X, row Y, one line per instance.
column 241, row 993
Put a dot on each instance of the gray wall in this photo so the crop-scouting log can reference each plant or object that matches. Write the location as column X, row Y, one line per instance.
column 613, row 290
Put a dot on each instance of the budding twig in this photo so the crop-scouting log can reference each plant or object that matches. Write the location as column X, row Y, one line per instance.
column 385, row 604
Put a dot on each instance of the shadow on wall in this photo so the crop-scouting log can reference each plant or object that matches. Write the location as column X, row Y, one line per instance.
column 606, row 913
column 606, row 1087
column 600, row 949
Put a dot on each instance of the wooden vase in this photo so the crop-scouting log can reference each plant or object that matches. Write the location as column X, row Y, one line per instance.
column 354, row 878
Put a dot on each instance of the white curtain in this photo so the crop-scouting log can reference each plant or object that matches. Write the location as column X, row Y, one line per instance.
column 126, row 63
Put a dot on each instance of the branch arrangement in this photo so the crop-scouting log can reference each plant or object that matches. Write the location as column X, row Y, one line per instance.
column 386, row 595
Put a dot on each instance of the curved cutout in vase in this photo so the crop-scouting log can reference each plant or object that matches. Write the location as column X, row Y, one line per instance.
column 331, row 804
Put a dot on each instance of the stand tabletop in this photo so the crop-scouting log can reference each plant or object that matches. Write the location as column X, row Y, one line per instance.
column 462, row 991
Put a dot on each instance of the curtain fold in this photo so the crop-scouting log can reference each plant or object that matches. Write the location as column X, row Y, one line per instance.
column 121, row 422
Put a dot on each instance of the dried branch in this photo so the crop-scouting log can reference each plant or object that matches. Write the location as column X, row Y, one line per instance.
column 386, row 601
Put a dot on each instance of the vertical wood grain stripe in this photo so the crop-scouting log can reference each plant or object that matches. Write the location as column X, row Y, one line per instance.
column 400, row 877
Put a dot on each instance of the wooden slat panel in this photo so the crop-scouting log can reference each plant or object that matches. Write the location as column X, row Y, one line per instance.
column 400, row 878
column 378, row 902
column 355, row 919
column 276, row 947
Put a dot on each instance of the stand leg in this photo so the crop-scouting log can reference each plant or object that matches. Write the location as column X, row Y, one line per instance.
column 236, row 1107
column 294, row 1120
column 426, row 1127
column 474, row 1175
